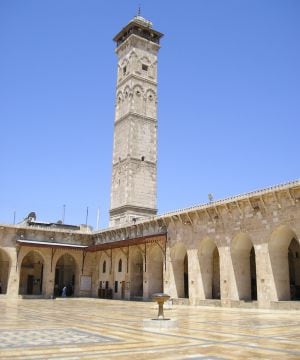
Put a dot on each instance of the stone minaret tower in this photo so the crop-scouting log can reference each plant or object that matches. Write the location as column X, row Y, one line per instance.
column 133, row 186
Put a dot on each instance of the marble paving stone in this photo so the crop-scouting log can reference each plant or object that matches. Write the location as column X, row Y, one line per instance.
column 28, row 338
column 93, row 328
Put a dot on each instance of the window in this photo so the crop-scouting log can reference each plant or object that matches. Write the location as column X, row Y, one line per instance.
column 144, row 67
column 104, row 267
column 116, row 286
column 143, row 158
column 120, row 266
column 124, row 70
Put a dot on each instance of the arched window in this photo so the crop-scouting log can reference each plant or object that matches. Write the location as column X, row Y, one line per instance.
column 104, row 267
column 120, row 266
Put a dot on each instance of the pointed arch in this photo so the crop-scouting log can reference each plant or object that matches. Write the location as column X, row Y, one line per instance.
column 150, row 103
column 125, row 67
column 138, row 95
column 145, row 60
column 32, row 273
column 66, row 274
column 127, row 95
column 179, row 260
column 120, row 265
column 155, row 270
column 294, row 269
column 120, row 270
column 136, row 273
column 244, row 268
column 104, row 290
column 283, row 240
column 209, row 262
column 4, row 270
column 119, row 104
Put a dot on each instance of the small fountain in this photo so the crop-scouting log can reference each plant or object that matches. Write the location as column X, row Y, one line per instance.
column 160, row 322
column 160, row 298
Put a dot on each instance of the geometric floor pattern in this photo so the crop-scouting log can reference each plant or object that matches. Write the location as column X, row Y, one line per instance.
column 43, row 337
column 74, row 329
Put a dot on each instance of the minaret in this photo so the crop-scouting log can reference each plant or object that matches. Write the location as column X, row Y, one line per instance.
column 133, row 186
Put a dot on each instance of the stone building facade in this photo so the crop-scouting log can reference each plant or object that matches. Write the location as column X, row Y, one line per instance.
column 241, row 251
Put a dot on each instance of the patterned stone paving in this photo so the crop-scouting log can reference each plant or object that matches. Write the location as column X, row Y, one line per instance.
column 106, row 329
column 45, row 337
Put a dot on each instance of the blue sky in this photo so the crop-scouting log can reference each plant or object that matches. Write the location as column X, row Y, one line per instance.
column 228, row 110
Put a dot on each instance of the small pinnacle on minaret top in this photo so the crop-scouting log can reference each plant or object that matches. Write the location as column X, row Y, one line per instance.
column 139, row 10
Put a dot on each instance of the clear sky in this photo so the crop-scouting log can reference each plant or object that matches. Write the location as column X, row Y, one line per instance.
column 228, row 107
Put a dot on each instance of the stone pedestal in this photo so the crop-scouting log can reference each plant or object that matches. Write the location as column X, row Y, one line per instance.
column 160, row 324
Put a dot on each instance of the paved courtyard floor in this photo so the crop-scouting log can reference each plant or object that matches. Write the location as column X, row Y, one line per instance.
column 108, row 329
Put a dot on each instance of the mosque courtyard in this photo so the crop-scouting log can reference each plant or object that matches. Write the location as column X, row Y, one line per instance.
column 109, row 329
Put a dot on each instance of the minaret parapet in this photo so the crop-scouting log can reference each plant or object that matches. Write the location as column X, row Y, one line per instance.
column 140, row 27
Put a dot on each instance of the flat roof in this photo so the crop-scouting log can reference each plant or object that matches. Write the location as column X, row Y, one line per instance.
column 51, row 244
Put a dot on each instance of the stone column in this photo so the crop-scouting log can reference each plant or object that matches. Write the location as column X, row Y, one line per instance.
column 266, row 288
column 127, row 286
column 169, row 281
column 13, row 275
column 49, row 279
column 226, row 275
column 146, row 277
column 196, row 291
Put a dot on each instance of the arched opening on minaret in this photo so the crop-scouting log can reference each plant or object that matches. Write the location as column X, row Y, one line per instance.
column 136, row 274
column 31, row 274
column 4, row 271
